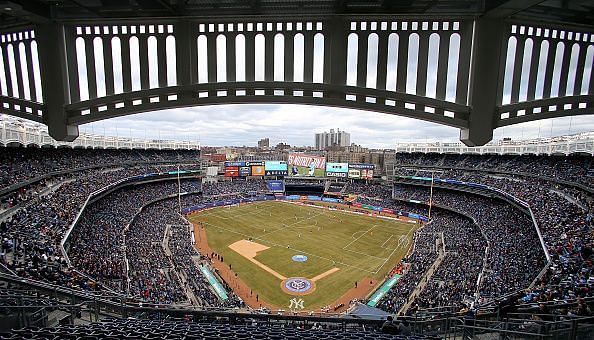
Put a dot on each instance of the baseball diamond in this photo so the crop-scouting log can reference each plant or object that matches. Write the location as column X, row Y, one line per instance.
column 259, row 242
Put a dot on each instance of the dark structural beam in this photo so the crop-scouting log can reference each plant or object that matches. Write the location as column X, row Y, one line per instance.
column 511, row 7
column 484, row 79
column 54, row 75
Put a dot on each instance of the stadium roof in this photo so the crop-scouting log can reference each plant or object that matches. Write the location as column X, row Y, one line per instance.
column 19, row 13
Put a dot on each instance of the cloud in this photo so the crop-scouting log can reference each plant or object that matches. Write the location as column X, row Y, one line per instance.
column 296, row 125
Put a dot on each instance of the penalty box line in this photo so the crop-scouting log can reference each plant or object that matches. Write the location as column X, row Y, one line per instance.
column 365, row 254
column 286, row 226
column 297, row 250
column 393, row 251
column 282, row 225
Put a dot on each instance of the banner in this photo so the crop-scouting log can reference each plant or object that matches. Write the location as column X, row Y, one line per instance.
column 383, row 290
column 361, row 166
column 212, row 280
column 238, row 164
column 306, row 166
column 361, row 170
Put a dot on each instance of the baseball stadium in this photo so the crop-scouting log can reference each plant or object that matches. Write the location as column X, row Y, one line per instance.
column 107, row 236
column 291, row 244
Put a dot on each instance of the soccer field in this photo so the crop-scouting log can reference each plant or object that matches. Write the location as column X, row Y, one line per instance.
column 260, row 241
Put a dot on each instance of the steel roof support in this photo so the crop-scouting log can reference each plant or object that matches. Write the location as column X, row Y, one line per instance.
column 486, row 70
column 54, row 75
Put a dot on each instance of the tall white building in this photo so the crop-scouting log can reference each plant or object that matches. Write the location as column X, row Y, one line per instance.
column 327, row 139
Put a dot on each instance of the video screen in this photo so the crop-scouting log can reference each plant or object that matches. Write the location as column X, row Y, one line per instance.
column 303, row 165
column 361, row 171
column 275, row 168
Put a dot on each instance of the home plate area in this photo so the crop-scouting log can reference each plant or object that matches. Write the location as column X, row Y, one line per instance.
column 292, row 285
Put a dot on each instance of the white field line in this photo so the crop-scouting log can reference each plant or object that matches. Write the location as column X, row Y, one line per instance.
column 386, row 241
column 325, row 211
column 392, row 253
column 290, row 225
column 356, row 252
column 283, row 246
column 355, row 240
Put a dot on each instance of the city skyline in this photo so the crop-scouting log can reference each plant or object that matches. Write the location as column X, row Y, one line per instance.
column 244, row 125
column 326, row 139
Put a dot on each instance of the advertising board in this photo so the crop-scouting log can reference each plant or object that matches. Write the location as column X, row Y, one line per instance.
column 275, row 186
column 337, row 169
column 231, row 171
column 258, row 170
column 245, row 171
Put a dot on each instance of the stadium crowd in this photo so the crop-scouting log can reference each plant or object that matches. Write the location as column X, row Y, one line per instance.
column 32, row 235
column 569, row 168
column 21, row 164
column 159, row 272
column 234, row 186
column 564, row 216
column 495, row 240
column 511, row 263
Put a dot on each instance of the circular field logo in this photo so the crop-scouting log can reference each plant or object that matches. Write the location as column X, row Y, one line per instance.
column 299, row 258
column 297, row 286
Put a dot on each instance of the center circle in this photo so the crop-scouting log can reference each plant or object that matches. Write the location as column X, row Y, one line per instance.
column 299, row 258
column 297, row 285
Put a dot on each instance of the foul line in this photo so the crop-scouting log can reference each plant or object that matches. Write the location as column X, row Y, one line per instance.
column 249, row 250
column 324, row 274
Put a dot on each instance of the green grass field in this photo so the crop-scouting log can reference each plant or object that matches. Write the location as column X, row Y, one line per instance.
column 360, row 246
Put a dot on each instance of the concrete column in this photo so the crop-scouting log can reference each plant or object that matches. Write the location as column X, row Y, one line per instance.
column 335, row 57
column 486, row 71
column 54, row 81
column 186, row 57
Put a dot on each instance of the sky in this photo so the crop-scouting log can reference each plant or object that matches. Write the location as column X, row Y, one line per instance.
column 237, row 125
